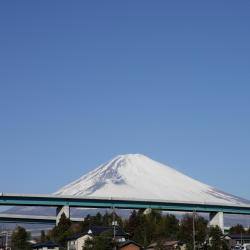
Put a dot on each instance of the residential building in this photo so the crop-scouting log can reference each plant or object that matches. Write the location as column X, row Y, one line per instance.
column 77, row 241
column 129, row 245
column 237, row 239
column 5, row 239
column 49, row 245
column 168, row 245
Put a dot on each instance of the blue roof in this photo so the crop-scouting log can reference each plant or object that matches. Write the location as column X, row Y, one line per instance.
column 98, row 230
column 48, row 244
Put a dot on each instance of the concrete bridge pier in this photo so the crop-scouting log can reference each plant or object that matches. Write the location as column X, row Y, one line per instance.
column 217, row 219
column 60, row 210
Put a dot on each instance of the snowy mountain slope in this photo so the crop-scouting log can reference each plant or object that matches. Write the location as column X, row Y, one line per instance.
column 136, row 176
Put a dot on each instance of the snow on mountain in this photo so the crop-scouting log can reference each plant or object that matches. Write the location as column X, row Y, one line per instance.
column 136, row 176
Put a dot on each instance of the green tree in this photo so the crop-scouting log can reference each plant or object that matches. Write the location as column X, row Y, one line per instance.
column 84, row 225
column 132, row 223
column 107, row 219
column 19, row 239
column 102, row 242
column 99, row 220
column 186, row 230
column 144, row 228
column 237, row 229
column 170, row 227
column 137, row 227
column 60, row 232
column 43, row 237
column 215, row 238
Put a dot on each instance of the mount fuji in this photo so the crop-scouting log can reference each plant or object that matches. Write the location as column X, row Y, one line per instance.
column 135, row 176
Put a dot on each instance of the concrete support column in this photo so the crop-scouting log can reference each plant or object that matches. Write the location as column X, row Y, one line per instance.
column 217, row 219
column 60, row 210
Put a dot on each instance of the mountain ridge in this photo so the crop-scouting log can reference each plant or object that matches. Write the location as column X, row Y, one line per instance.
column 110, row 173
column 135, row 176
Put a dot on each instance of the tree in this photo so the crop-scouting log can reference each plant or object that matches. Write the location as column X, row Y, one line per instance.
column 102, row 242
column 99, row 220
column 186, row 230
column 146, row 228
column 215, row 236
column 43, row 237
column 132, row 223
column 60, row 232
column 86, row 223
column 107, row 219
column 237, row 229
column 19, row 239
column 170, row 226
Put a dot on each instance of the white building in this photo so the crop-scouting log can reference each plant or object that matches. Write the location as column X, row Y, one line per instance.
column 5, row 239
column 77, row 241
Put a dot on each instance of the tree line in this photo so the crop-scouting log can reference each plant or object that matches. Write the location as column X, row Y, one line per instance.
column 144, row 228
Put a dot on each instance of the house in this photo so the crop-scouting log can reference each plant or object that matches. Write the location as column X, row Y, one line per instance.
column 5, row 240
column 236, row 239
column 46, row 245
column 77, row 241
column 129, row 245
column 120, row 235
column 168, row 244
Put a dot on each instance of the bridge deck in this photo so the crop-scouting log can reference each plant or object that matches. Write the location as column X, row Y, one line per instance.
column 95, row 202
column 20, row 218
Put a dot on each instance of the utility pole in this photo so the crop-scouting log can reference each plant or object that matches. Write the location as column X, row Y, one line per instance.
column 6, row 243
column 241, row 239
column 194, row 230
column 114, row 224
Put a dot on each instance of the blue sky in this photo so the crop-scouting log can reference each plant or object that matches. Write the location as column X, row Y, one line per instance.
column 83, row 81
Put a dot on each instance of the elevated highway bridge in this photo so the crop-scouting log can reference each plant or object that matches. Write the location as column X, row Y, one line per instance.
column 32, row 219
column 64, row 203
column 20, row 218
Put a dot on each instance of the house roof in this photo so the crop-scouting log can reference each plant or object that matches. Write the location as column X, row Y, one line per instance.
column 45, row 244
column 75, row 236
column 238, row 236
column 166, row 243
column 97, row 230
column 128, row 242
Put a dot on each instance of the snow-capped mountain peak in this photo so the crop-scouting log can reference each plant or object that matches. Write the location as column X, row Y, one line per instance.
column 135, row 176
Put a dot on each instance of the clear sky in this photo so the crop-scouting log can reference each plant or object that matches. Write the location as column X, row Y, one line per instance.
column 83, row 81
